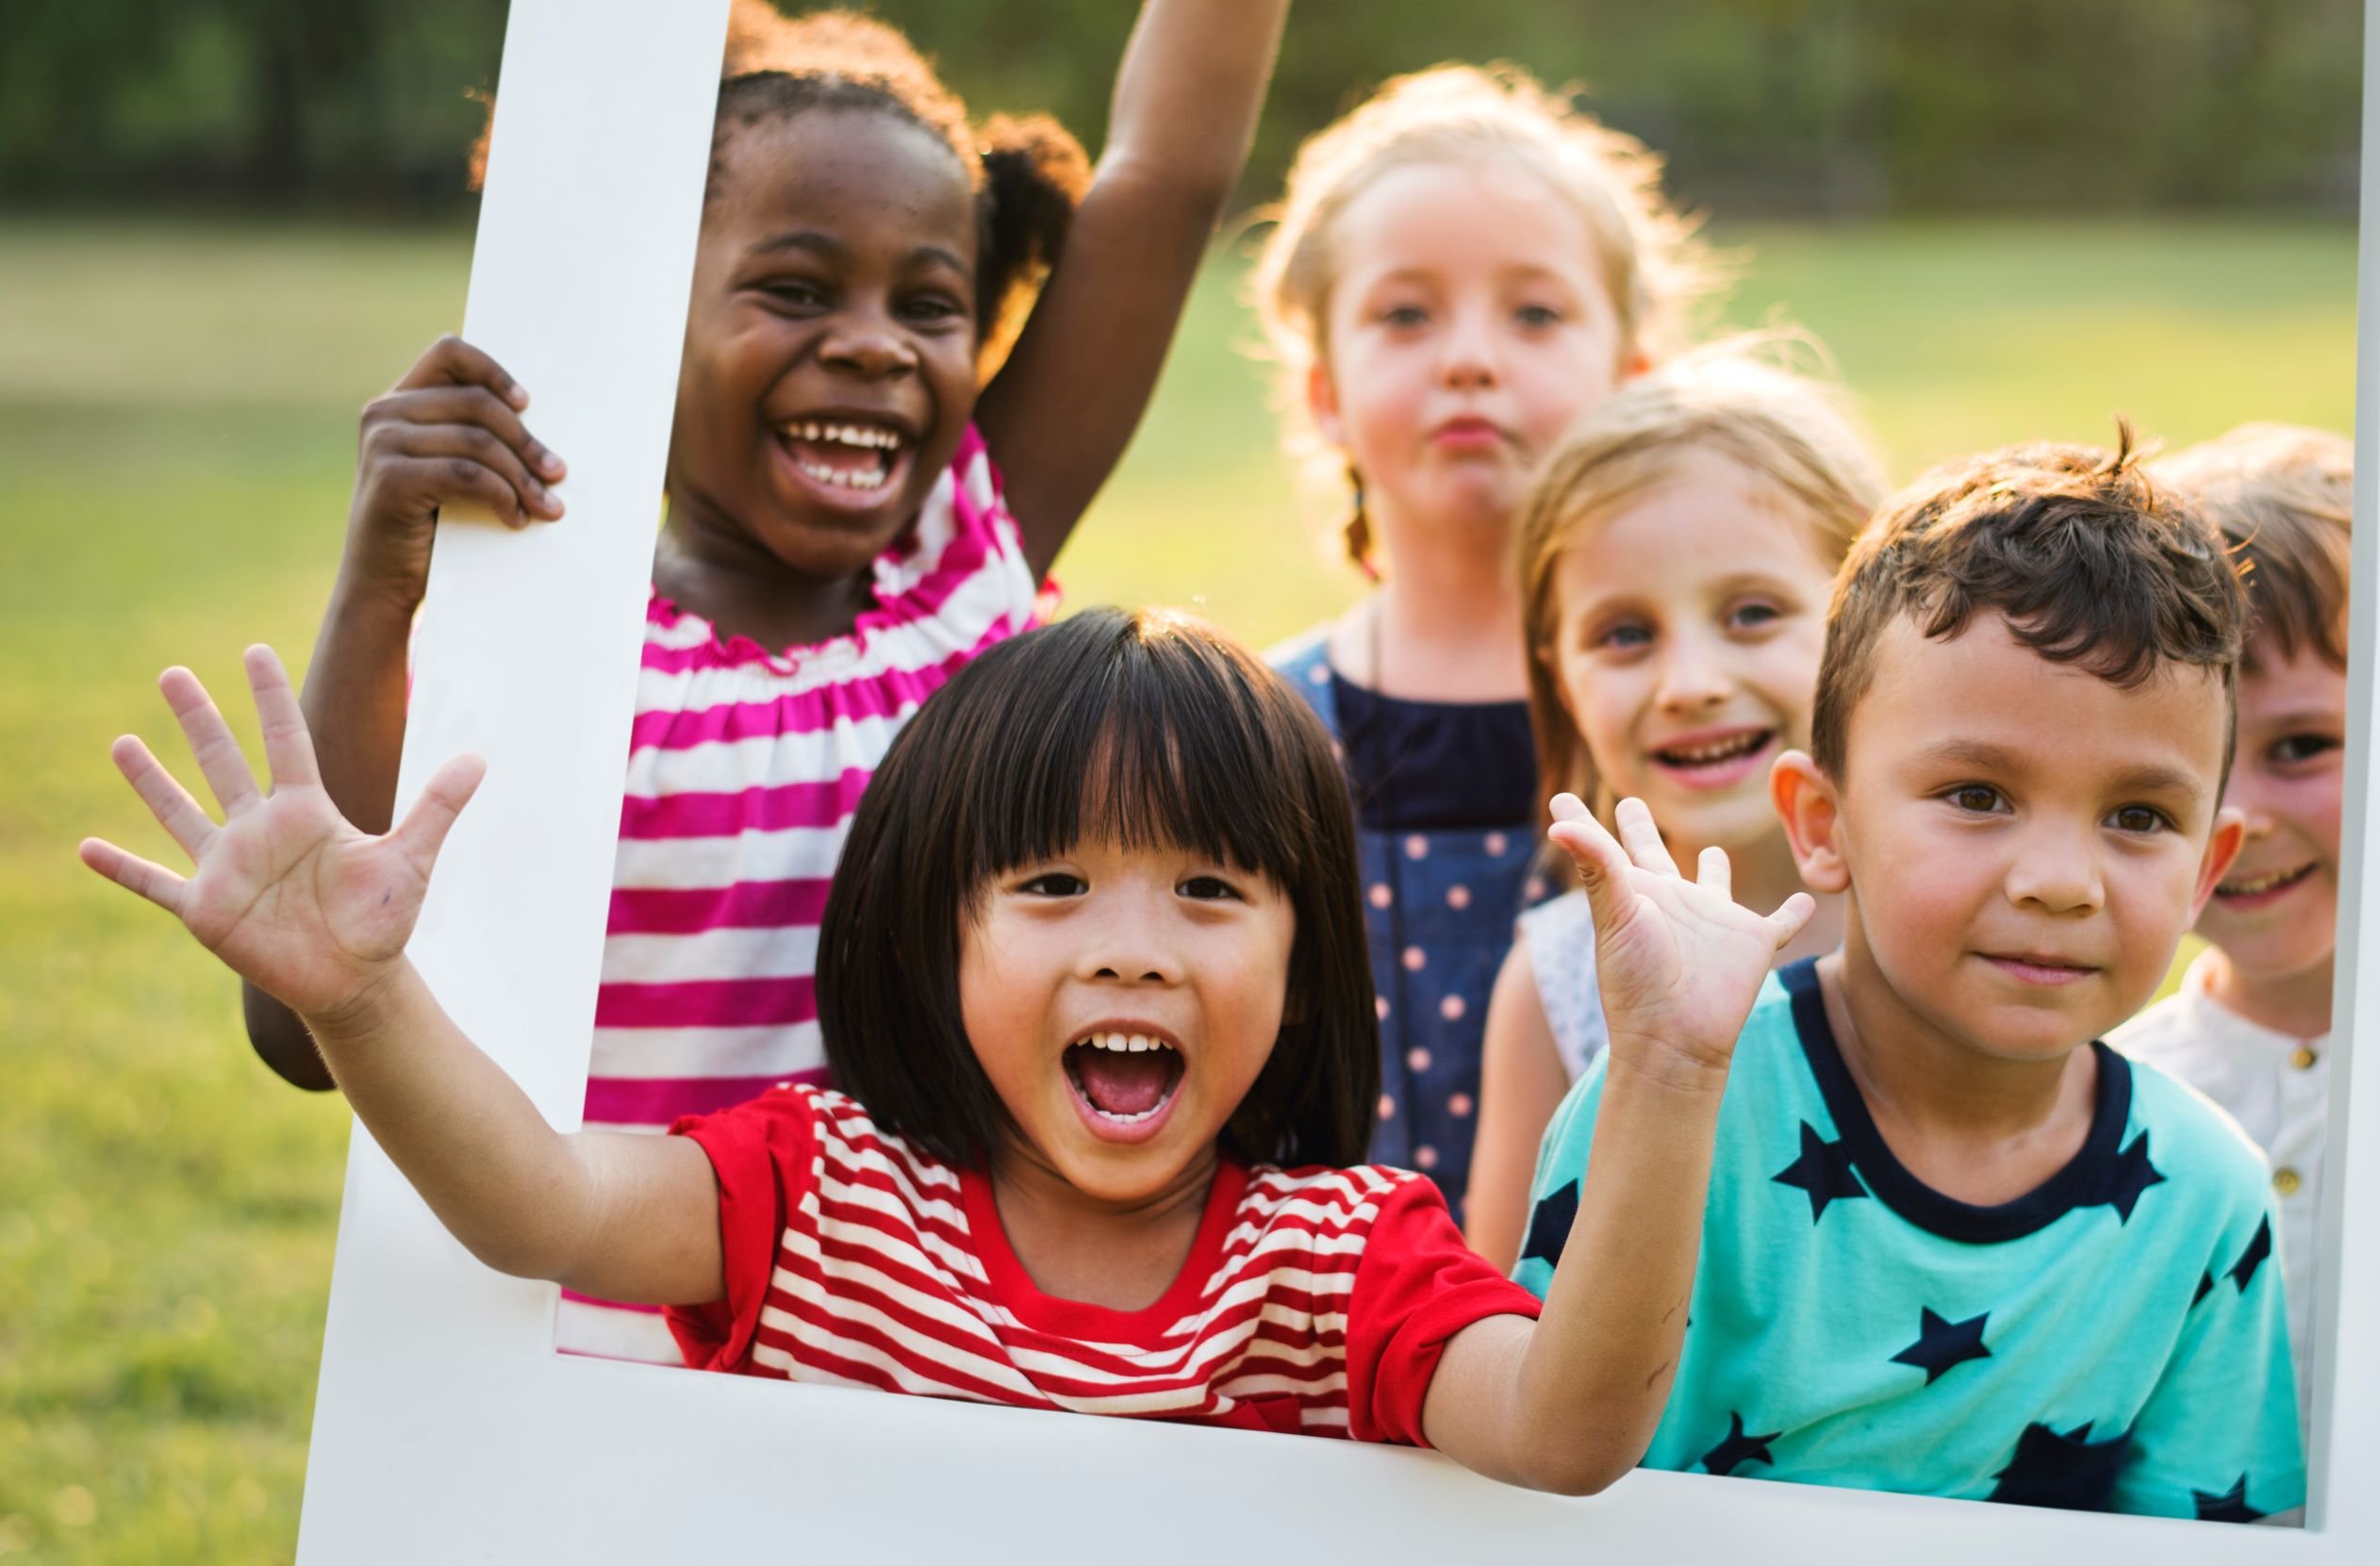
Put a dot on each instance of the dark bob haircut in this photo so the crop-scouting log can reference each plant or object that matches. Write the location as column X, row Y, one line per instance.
column 1148, row 730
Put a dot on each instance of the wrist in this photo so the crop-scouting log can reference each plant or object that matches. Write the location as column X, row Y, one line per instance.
column 364, row 1013
column 1655, row 1068
column 363, row 598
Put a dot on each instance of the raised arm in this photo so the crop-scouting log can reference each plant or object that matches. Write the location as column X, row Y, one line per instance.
column 1063, row 408
column 449, row 431
column 1571, row 1403
column 315, row 913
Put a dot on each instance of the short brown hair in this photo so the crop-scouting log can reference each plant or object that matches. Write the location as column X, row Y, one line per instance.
column 2283, row 496
column 2086, row 558
column 1741, row 400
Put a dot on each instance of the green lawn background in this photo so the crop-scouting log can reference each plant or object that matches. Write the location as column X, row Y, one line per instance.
column 177, row 410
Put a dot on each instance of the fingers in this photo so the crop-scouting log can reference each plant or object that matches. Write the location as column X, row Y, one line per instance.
column 424, row 828
column 1714, row 873
column 211, row 746
column 451, row 361
column 154, row 882
column 1603, row 864
column 288, row 749
column 1642, row 839
column 1788, row 920
column 450, row 462
column 167, row 800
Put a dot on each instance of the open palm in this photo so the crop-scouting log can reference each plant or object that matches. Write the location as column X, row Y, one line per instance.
column 1679, row 961
column 289, row 894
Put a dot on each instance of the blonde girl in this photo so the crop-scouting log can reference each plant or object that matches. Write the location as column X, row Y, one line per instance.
column 1675, row 560
column 1462, row 268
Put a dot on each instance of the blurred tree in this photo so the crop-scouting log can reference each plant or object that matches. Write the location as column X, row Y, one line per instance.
column 1807, row 106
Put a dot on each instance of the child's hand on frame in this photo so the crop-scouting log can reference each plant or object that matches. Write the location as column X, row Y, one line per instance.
column 449, row 432
column 286, row 892
column 1679, row 961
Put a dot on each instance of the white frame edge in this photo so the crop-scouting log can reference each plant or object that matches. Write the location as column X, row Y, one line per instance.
column 446, row 1428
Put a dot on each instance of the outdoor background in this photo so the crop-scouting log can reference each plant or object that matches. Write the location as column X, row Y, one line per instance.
column 224, row 224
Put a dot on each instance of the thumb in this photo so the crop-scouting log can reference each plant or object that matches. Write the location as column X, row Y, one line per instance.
column 423, row 831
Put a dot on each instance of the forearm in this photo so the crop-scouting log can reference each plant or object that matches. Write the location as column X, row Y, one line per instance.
column 355, row 704
column 1189, row 90
column 506, row 1183
column 1590, row 1388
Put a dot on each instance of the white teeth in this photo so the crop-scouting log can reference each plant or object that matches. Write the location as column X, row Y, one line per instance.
column 2264, row 882
column 845, row 435
column 1123, row 1044
column 1123, row 1119
column 1718, row 751
column 869, row 479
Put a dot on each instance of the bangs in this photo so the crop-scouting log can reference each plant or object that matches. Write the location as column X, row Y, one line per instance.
column 1140, row 736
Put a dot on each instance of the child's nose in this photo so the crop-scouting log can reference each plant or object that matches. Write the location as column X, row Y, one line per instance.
column 1689, row 677
column 869, row 348
column 1469, row 358
column 2056, row 871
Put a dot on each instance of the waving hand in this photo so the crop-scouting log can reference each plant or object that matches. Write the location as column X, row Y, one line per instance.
column 284, row 891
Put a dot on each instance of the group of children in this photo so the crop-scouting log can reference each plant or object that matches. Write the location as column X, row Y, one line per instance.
column 1134, row 1028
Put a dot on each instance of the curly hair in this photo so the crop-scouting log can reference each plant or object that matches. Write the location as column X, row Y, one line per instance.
column 2087, row 559
column 1027, row 174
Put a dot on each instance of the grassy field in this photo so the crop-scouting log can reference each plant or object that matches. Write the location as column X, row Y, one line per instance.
column 176, row 430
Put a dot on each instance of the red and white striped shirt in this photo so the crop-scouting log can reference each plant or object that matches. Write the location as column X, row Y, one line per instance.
column 744, row 767
column 1314, row 1300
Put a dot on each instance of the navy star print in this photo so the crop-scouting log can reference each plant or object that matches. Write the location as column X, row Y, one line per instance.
column 2131, row 1174
column 2230, row 1506
column 1942, row 1346
column 1824, row 1171
column 1549, row 1226
column 1738, row 1449
column 2245, row 1272
column 2070, row 1471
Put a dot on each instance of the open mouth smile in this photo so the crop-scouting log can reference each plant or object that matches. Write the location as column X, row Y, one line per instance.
column 851, row 461
column 1124, row 1082
column 2253, row 892
column 1716, row 759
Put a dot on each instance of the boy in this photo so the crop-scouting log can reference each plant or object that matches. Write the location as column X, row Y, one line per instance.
column 1952, row 1244
column 2251, row 1027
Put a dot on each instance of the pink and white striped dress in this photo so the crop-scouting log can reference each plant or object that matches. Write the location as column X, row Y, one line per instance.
column 744, row 767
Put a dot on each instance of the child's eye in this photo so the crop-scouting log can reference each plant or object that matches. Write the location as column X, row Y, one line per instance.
column 1404, row 316
column 2140, row 819
column 1056, row 883
column 1208, row 888
column 801, row 295
column 1538, row 316
column 1978, row 798
column 2293, row 749
column 1626, row 636
column 1753, row 616
column 934, row 309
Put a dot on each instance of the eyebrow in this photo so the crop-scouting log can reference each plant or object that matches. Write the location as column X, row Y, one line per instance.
column 2150, row 777
column 833, row 248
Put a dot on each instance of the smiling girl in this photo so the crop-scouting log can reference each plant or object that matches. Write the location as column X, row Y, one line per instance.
column 1095, row 995
column 1462, row 266
column 1675, row 560
column 839, row 539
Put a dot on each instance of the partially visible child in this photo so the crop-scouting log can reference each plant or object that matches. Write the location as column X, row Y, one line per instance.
column 854, row 510
column 1463, row 266
column 2251, row 1027
column 1955, row 1245
column 1675, row 561
column 1095, row 993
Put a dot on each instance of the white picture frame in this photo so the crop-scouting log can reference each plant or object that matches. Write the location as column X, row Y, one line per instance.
column 446, row 1428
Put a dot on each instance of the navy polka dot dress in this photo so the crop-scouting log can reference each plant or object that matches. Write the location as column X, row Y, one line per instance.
column 1446, row 833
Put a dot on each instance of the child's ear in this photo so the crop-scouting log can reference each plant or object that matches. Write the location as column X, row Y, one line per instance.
column 1811, row 811
column 2223, row 847
column 1322, row 404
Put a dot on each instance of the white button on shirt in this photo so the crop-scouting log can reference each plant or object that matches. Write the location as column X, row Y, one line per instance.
column 2278, row 1088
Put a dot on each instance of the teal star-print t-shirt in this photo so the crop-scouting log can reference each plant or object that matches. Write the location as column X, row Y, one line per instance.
column 2116, row 1340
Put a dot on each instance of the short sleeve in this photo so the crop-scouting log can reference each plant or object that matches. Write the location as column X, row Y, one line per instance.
column 1561, row 1168
column 763, row 1154
column 2218, row 1437
column 1416, row 1286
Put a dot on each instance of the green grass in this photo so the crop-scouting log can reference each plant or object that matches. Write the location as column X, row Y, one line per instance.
column 176, row 431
